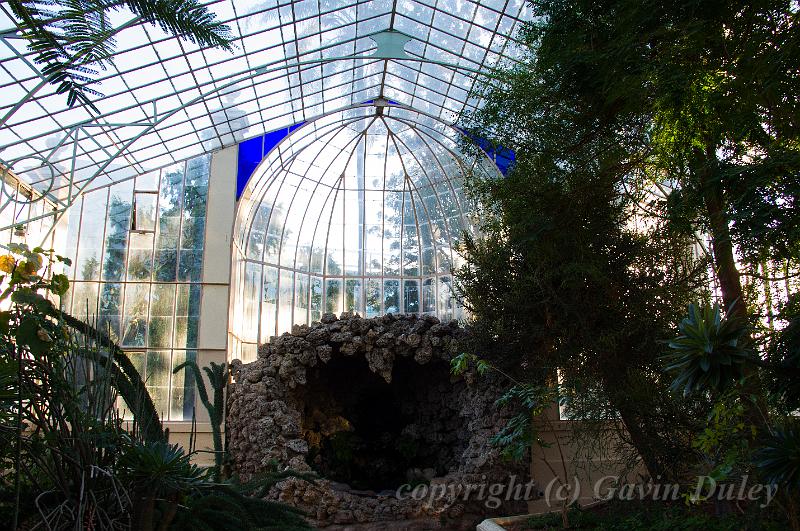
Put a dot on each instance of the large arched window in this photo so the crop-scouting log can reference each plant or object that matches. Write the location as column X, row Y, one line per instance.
column 357, row 211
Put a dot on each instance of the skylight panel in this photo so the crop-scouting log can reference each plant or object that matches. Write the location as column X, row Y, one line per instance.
column 154, row 67
column 372, row 25
column 412, row 27
column 447, row 23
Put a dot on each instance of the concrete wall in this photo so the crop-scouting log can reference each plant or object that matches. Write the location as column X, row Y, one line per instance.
column 562, row 453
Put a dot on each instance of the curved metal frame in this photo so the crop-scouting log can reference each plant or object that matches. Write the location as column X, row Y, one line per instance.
column 270, row 179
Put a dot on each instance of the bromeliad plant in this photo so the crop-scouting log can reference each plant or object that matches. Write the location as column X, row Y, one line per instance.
column 712, row 355
column 168, row 491
column 779, row 459
column 710, row 352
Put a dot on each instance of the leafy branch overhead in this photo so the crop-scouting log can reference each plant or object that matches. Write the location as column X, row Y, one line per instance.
column 75, row 39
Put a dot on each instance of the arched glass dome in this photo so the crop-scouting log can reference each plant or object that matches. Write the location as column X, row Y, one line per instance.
column 357, row 211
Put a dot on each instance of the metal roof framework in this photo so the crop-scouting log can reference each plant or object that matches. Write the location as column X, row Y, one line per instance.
column 362, row 209
column 166, row 100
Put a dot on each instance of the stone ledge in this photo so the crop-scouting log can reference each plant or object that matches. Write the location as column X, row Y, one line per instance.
column 489, row 525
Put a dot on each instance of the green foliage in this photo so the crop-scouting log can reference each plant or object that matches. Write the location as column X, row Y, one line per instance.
column 710, row 353
column 73, row 464
column 172, row 492
column 228, row 509
column 41, row 328
column 158, row 468
column 58, row 414
column 464, row 361
column 724, row 442
column 559, row 280
column 636, row 126
column 517, row 436
column 217, row 374
column 126, row 378
column 74, row 39
column 784, row 355
column 778, row 461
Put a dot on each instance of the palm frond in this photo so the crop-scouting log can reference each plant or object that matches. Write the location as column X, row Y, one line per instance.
column 74, row 39
column 187, row 18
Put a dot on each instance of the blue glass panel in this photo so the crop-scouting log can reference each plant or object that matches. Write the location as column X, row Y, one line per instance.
column 250, row 154
column 253, row 151
column 502, row 156
column 391, row 102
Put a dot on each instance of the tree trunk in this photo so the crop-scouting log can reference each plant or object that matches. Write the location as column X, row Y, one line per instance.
column 727, row 273
column 728, row 277
column 642, row 443
column 615, row 381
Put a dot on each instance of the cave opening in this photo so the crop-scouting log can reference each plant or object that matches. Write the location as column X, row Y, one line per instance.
column 374, row 435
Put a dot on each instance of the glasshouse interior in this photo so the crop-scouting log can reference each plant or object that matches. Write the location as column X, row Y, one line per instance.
column 399, row 264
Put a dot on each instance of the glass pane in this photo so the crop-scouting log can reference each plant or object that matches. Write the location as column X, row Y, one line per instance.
column 316, row 298
column 301, row 298
column 333, row 296
column 373, row 294
column 391, row 296
column 157, row 380
column 182, row 395
column 191, row 266
column 285, row 300
column 269, row 302
column 140, row 256
column 181, row 332
column 110, row 310
column 411, row 296
column 165, row 266
column 147, row 181
column 84, row 299
column 144, row 215
column 250, row 301
column 160, row 332
column 90, row 242
column 446, row 301
column 193, row 233
column 135, row 319
column 353, row 296
column 117, row 226
column 429, row 296
column 162, row 300
column 169, row 227
column 88, row 263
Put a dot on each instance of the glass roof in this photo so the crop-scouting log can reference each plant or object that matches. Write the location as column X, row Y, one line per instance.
column 357, row 211
column 166, row 100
